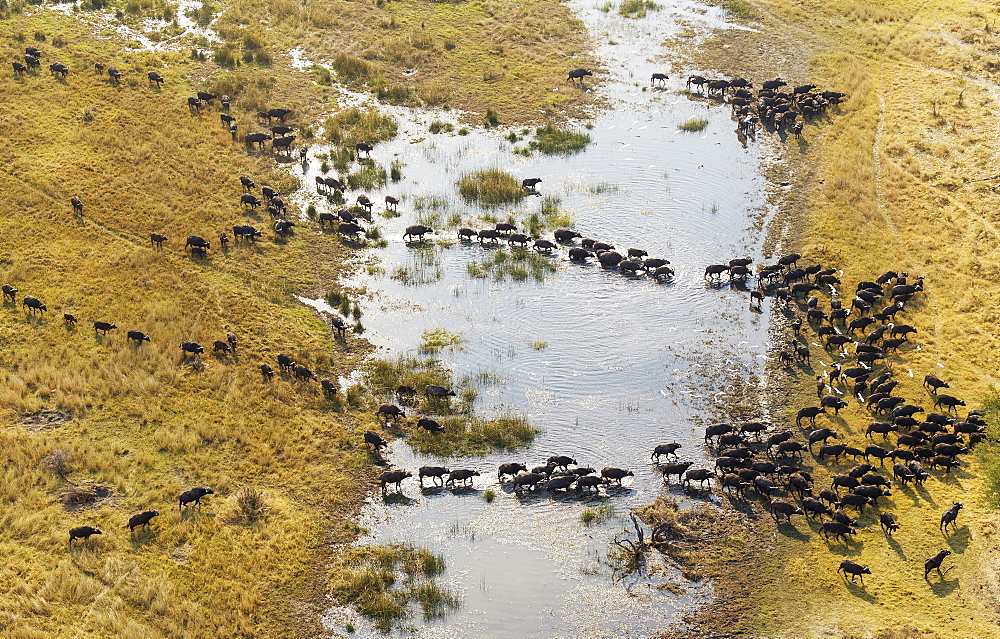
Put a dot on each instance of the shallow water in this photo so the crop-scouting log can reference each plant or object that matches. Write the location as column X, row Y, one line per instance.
column 141, row 34
column 606, row 366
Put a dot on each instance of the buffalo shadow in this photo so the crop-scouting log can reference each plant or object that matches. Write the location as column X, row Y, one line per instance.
column 943, row 588
column 959, row 540
column 397, row 499
column 859, row 591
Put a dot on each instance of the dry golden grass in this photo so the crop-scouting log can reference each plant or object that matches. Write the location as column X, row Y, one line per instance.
column 894, row 180
column 468, row 55
column 143, row 424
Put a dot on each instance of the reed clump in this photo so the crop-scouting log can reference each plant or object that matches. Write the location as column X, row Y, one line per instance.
column 386, row 583
column 637, row 8
column 353, row 125
column 490, row 188
column 464, row 436
column 514, row 264
column 435, row 340
column 693, row 125
column 552, row 140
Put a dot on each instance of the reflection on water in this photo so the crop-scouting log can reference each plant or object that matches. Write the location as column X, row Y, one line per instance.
column 606, row 366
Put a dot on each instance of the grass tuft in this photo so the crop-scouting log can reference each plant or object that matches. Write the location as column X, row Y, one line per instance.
column 637, row 8
column 741, row 9
column 383, row 583
column 441, row 127
column 251, row 505
column 551, row 140
column 515, row 264
column 693, row 125
column 490, row 188
column 435, row 340
column 350, row 126
column 351, row 68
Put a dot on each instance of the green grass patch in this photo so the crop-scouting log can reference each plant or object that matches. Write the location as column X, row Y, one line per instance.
column 438, row 339
column 637, row 8
column 515, row 264
column 464, row 436
column 550, row 216
column 599, row 515
column 350, row 126
column 490, row 188
column 370, row 176
column 551, row 140
column 741, row 9
column 382, row 377
column 340, row 299
column 387, row 584
column 693, row 125
column 441, row 127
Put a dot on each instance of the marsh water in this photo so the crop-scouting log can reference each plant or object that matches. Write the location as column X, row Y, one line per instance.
column 604, row 365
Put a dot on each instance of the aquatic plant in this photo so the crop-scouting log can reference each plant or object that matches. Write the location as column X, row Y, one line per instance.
column 441, row 127
column 396, row 171
column 353, row 125
column 517, row 264
column 436, row 340
column 693, row 125
column 465, row 436
column 637, row 8
column 597, row 515
column 490, row 188
column 370, row 176
column 551, row 140
column 424, row 266
column 549, row 217
column 384, row 583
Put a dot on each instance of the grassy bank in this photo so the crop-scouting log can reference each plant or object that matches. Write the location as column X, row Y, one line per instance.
column 469, row 55
column 893, row 181
column 96, row 428
column 136, row 425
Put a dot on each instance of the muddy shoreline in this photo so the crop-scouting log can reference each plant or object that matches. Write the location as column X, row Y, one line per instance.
column 750, row 559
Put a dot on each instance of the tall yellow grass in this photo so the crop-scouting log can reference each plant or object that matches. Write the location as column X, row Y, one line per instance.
column 144, row 426
column 894, row 180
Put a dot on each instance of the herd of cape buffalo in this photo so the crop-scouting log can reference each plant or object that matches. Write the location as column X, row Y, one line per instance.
column 862, row 337
column 752, row 458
